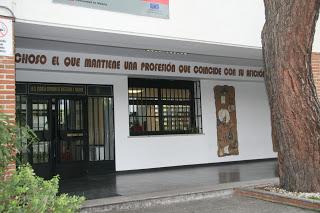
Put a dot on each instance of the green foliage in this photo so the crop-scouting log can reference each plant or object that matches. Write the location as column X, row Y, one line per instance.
column 26, row 192
column 12, row 141
column 314, row 198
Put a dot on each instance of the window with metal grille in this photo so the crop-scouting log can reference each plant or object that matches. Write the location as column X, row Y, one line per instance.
column 159, row 107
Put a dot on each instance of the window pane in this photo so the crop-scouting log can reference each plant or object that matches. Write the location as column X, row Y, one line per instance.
column 21, row 119
column 175, row 110
column 176, row 117
column 100, row 123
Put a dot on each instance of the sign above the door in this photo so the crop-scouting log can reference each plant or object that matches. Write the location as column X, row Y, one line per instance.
column 57, row 89
column 152, row 8
column 29, row 59
column 63, row 89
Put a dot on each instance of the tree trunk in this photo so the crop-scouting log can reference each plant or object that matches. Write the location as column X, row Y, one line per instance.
column 287, row 40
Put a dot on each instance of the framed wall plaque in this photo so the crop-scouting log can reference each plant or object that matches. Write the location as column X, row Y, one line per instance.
column 226, row 120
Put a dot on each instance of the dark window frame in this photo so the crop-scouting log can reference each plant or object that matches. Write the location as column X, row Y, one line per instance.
column 193, row 103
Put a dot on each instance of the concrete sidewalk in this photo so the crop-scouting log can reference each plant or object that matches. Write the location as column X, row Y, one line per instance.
column 148, row 200
column 225, row 204
column 170, row 179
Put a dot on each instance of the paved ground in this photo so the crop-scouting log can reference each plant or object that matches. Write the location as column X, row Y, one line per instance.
column 232, row 204
column 136, row 183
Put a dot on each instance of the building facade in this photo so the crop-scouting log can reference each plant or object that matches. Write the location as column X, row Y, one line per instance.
column 110, row 86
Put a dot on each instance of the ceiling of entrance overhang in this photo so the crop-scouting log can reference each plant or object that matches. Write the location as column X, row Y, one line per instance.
column 51, row 38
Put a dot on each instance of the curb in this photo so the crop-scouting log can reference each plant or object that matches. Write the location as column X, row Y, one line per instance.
column 278, row 198
column 149, row 202
column 168, row 197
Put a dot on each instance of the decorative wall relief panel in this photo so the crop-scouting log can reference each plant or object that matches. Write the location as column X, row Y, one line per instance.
column 226, row 120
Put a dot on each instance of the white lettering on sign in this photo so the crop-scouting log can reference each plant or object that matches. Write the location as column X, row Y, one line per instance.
column 6, row 37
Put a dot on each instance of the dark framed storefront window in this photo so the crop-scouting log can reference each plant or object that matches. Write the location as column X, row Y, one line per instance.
column 74, row 125
column 160, row 107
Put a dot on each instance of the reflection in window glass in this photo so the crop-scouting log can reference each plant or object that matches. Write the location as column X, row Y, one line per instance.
column 40, row 116
column 40, row 125
column 70, row 114
column 21, row 120
column 100, row 123
column 71, row 150
column 40, row 152
column 176, row 117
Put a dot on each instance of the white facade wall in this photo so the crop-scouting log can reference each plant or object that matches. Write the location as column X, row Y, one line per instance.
column 142, row 152
column 254, row 136
column 230, row 22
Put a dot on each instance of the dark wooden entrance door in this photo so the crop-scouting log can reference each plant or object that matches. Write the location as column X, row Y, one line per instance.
column 61, row 126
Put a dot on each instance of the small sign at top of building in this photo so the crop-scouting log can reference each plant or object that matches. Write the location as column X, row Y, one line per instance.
column 151, row 8
column 6, row 37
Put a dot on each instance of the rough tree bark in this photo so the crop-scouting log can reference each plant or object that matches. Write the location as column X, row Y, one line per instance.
column 287, row 39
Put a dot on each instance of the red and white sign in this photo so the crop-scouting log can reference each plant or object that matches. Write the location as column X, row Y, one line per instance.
column 3, row 29
column 158, row 1
column 6, row 37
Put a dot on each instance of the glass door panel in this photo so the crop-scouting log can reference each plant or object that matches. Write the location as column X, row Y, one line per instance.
column 70, row 129
column 40, row 118
column 71, row 137
column 40, row 125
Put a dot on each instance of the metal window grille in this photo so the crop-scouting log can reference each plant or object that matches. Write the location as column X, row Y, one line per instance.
column 100, row 127
column 21, row 121
column 159, row 107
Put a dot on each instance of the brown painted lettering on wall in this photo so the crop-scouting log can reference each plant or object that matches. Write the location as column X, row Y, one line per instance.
column 101, row 63
column 96, row 63
column 130, row 65
column 30, row 59
column 207, row 70
column 255, row 73
column 157, row 67
column 72, row 62
column 240, row 72
column 55, row 60
column 184, row 68
column 230, row 71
